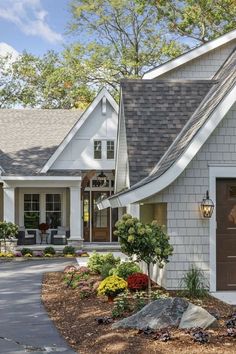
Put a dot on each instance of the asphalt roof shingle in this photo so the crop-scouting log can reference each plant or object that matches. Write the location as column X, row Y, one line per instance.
column 30, row 137
column 155, row 112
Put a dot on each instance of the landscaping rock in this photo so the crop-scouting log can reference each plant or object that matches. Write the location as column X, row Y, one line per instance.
column 158, row 314
column 196, row 316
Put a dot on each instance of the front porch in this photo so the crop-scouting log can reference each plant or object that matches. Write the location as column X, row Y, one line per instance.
column 67, row 204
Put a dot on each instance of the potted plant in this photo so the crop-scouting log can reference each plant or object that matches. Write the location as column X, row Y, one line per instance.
column 8, row 232
column 43, row 227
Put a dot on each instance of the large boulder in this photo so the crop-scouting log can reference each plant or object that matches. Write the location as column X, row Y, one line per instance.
column 196, row 316
column 160, row 313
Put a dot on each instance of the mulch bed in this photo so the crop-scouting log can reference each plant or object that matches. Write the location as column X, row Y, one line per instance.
column 75, row 318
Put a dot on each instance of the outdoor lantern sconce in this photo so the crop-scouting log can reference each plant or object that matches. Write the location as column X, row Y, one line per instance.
column 207, row 207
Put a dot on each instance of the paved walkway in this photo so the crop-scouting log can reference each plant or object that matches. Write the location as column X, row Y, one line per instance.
column 24, row 324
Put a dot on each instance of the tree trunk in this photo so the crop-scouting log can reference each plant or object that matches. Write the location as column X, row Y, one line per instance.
column 149, row 282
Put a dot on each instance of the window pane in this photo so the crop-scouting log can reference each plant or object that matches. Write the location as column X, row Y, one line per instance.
column 35, row 206
column 31, row 220
column 27, row 197
column 110, row 149
column 49, row 198
column 35, row 198
column 57, row 206
column 49, row 206
column 97, row 149
column 27, row 206
column 53, row 219
column 57, row 198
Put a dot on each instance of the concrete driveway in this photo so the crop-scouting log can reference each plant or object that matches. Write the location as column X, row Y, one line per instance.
column 24, row 324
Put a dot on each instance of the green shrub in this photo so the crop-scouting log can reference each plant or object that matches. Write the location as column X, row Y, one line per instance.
column 96, row 261
column 106, row 270
column 49, row 250
column 68, row 250
column 25, row 251
column 194, row 283
column 125, row 269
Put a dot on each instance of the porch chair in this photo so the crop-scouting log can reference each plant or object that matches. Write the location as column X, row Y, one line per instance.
column 26, row 238
column 60, row 235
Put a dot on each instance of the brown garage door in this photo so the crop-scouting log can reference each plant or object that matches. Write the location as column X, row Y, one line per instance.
column 226, row 234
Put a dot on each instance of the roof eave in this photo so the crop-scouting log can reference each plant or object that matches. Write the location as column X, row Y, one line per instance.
column 103, row 92
column 190, row 55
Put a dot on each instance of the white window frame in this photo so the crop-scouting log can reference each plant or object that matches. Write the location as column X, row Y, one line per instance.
column 42, row 192
column 94, row 142
column 107, row 142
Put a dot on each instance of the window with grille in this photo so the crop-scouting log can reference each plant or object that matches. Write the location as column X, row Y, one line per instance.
column 31, row 211
column 97, row 149
column 110, row 149
column 53, row 210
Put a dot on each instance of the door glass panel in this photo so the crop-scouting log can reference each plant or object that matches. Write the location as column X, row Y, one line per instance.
column 86, row 210
column 100, row 217
column 232, row 191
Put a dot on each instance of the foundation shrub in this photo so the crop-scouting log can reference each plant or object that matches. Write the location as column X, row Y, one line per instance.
column 97, row 261
column 125, row 269
column 26, row 251
column 137, row 281
column 68, row 250
column 112, row 286
column 49, row 250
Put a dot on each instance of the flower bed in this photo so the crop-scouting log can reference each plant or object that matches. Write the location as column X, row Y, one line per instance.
column 85, row 323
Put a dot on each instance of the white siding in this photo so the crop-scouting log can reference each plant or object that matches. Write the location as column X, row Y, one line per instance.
column 121, row 180
column 78, row 154
column 203, row 67
column 189, row 233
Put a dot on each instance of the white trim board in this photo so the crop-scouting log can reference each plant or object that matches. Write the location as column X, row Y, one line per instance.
column 41, row 178
column 220, row 171
column 158, row 184
column 191, row 55
column 103, row 93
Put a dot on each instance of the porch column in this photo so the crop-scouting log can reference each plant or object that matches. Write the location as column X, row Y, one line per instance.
column 9, row 204
column 134, row 210
column 75, row 217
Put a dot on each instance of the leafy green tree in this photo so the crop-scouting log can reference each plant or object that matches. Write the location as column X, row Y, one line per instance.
column 117, row 39
column 43, row 82
column 148, row 242
column 199, row 20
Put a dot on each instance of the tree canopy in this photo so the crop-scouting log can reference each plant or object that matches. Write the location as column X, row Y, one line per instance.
column 111, row 40
column 45, row 82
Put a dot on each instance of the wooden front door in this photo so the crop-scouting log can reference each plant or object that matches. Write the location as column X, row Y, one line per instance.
column 226, row 234
column 100, row 219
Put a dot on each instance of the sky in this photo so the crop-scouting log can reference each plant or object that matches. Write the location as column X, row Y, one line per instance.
column 33, row 25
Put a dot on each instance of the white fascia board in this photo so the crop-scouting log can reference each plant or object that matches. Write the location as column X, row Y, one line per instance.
column 41, row 178
column 78, row 125
column 179, row 166
column 104, row 204
column 191, row 55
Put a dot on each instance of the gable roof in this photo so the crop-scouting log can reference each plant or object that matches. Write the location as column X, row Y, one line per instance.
column 200, row 126
column 103, row 93
column 190, row 55
column 154, row 114
column 30, row 136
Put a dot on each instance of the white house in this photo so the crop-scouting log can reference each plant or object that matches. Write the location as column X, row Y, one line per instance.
column 55, row 166
column 176, row 142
